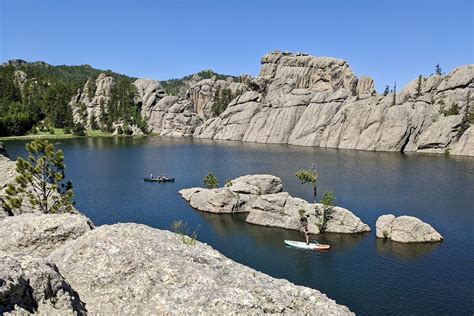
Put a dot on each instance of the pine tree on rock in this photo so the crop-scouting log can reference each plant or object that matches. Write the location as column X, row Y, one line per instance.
column 41, row 180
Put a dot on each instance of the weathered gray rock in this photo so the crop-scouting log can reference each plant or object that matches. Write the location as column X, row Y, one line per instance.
column 282, row 210
column 235, row 196
column 135, row 269
column 405, row 229
column 212, row 200
column 3, row 150
column 89, row 101
column 318, row 101
column 261, row 197
column 40, row 234
column 256, row 184
column 173, row 116
column 202, row 94
column 33, row 285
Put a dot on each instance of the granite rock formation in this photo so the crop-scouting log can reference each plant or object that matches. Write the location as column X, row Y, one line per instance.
column 39, row 234
column 135, row 269
column 318, row 101
column 261, row 197
column 202, row 94
column 31, row 285
column 87, row 103
column 405, row 229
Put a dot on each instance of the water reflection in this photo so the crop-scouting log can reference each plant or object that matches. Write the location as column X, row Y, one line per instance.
column 235, row 224
column 410, row 251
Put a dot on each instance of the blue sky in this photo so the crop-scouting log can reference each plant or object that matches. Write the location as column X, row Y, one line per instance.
column 387, row 40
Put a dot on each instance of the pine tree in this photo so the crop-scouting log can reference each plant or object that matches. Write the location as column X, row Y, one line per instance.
column 210, row 181
column 41, row 180
column 438, row 70
column 394, row 101
column 309, row 176
column 386, row 91
column 93, row 122
column 418, row 87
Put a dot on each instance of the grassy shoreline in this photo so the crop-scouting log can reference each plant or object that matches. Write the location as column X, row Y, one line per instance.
column 59, row 134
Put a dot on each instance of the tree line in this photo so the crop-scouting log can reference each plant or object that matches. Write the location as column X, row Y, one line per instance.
column 43, row 98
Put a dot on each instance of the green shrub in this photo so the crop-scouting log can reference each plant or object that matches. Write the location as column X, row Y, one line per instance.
column 79, row 130
column 210, row 181
column 327, row 212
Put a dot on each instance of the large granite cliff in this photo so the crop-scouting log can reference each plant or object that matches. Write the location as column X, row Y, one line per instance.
column 318, row 101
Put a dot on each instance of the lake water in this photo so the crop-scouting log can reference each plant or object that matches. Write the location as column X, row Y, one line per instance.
column 370, row 276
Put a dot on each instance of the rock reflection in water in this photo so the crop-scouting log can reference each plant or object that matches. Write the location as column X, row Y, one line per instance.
column 410, row 251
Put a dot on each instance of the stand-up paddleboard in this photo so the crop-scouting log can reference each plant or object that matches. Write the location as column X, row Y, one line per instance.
column 303, row 245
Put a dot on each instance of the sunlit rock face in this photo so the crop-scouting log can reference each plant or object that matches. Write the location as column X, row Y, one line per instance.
column 262, row 198
column 405, row 229
column 318, row 101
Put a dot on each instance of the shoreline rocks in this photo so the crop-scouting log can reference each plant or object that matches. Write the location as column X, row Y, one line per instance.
column 262, row 198
column 405, row 229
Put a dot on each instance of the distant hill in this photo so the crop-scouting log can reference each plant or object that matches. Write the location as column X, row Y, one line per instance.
column 69, row 75
column 178, row 87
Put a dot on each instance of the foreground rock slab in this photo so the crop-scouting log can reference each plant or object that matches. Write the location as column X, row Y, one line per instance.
column 33, row 285
column 405, row 229
column 135, row 269
column 38, row 235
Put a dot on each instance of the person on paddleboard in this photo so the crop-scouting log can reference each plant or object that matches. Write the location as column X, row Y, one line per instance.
column 306, row 233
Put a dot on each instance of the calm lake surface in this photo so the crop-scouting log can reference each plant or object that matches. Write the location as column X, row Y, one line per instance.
column 369, row 276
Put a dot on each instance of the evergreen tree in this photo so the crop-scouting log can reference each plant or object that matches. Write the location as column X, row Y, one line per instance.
column 418, row 87
column 386, row 91
column 309, row 176
column 93, row 122
column 41, row 180
column 79, row 129
column 210, row 181
column 438, row 70
column 394, row 101
column 326, row 213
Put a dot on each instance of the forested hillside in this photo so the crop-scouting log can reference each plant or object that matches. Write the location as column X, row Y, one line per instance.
column 34, row 94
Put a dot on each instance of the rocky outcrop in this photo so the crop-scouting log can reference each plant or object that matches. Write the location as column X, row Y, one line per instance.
column 3, row 150
column 33, row 285
column 261, row 197
column 92, row 99
column 202, row 94
column 284, row 211
column 405, row 229
column 135, row 269
column 7, row 175
column 172, row 116
column 235, row 197
column 318, row 101
column 39, row 234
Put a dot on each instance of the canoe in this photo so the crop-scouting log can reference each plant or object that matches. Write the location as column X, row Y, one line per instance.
column 303, row 245
column 159, row 180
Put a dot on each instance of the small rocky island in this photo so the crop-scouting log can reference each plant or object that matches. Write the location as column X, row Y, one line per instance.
column 405, row 229
column 262, row 198
column 60, row 264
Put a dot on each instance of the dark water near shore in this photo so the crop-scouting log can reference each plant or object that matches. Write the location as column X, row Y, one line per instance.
column 369, row 276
